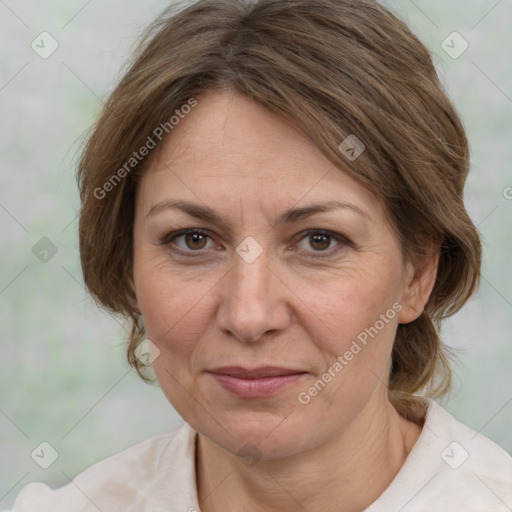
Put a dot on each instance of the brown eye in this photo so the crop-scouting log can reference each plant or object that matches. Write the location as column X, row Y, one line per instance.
column 187, row 241
column 320, row 242
column 324, row 243
column 195, row 241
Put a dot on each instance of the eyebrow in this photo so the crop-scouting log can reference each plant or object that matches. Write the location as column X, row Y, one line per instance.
column 287, row 217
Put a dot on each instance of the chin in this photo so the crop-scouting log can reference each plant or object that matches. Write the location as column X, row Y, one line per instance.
column 257, row 434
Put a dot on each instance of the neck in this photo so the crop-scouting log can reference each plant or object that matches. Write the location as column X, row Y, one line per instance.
column 347, row 473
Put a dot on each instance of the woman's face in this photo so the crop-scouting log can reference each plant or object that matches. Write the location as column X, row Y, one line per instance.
column 274, row 274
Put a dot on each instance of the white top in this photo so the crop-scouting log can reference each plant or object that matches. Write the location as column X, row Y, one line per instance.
column 450, row 468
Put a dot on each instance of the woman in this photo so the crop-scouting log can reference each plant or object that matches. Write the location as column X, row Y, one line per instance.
column 273, row 197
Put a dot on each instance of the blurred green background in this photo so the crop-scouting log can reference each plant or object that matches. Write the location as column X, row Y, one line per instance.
column 63, row 376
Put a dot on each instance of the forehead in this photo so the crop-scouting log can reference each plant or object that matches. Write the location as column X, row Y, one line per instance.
column 228, row 127
column 229, row 144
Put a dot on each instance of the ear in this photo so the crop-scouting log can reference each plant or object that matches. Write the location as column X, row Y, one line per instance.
column 418, row 286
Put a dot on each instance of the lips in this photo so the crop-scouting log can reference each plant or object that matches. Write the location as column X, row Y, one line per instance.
column 256, row 373
column 257, row 382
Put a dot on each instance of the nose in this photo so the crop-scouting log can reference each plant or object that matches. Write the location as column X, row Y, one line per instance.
column 253, row 301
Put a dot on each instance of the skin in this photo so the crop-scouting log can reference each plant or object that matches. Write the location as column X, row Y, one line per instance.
column 208, row 307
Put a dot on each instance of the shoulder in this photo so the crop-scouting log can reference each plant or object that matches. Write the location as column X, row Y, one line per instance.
column 134, row 479
column 451, row 467
column 461, row 469
column 474, row 472
column 470, row 454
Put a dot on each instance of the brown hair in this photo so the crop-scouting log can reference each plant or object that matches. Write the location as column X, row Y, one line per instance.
column 332, row 68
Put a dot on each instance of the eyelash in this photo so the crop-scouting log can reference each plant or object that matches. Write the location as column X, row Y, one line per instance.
column 171, row 237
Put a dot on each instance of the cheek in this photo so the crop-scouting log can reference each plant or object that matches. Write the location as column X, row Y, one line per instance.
column 361, row 325
column 174, row 307
column 354, row 325
column 348, row 304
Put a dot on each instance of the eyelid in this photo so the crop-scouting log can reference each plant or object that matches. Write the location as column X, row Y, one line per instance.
column 343, row 241
column 171, row 236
